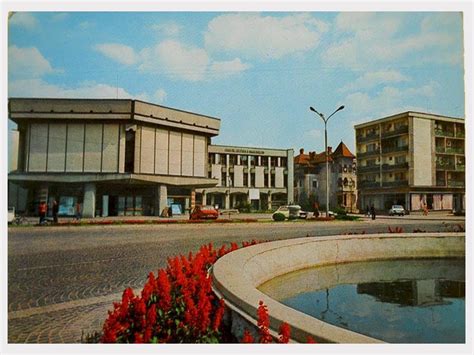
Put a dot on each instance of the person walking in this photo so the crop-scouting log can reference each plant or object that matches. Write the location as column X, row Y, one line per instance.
column 78, row 211
column 372, row 212
column 55, row 211
column 42, row 211
column 367, row 211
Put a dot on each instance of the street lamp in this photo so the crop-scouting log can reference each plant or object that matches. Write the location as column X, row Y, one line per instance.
column 325, row 120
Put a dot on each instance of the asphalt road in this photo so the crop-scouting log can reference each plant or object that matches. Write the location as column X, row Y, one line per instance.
column 62, row 280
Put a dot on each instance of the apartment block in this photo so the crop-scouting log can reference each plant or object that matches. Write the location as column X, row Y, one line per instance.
column 414, row 159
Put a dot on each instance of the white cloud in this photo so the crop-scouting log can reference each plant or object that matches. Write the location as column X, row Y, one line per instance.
column 160, row 96
column 370, row 40
column 390, row 100
column 372, row 79
column 264, row 37
column 23, row 19
column 228, row 68
column 178, row 60
column 169, row 28
column 27, row 62
column 313, row 134
column 118, row 52
column 40, row 88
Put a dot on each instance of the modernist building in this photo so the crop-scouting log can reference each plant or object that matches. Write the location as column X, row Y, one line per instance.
column 114, row 157
column 413, row 159
column 260, row 177
column 310, row 178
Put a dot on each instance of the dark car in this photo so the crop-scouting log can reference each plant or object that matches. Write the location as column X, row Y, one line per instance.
column 203, row 212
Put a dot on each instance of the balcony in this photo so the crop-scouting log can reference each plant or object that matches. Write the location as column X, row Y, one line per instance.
column 444, row 166
column 368, row 137
column 369, row 184
column 440, row 183
column 396, row 132
column 368, row 154
column 460, row 167
column 396, row 183
column 454, row 150
column 443, row 133
column 367, row 168
column 389, row 167
column 460, row 134
column 394, row 149
column 454, row 183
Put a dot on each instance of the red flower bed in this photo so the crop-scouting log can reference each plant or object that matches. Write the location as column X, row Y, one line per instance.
column 178, row 306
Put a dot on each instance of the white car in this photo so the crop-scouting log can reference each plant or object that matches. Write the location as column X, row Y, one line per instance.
column 397, row 210
column 291, row 210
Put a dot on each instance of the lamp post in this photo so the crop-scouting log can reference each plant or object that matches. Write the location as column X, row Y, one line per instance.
column 325, row 120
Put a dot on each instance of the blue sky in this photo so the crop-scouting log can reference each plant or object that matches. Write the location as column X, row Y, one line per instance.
column 257, row 71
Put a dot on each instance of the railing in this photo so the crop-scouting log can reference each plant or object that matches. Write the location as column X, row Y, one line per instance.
column 369, row 153
column 456, row 184
column 394, row 149
column 403, row 165
column 443, row 166
column 455, row 150
column 369, row 184
column 368, row 137
column 443, row 133
column 395, row 132
column 395, row 183
column 363, row 169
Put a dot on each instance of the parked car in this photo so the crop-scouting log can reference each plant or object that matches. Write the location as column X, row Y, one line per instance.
column 397, row 210
column 291, row 211
column 204, row 212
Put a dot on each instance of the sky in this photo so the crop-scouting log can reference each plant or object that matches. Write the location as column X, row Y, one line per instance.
column 259, row 72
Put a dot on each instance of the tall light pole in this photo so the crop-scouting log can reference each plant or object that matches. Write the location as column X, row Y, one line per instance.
column 325, row 120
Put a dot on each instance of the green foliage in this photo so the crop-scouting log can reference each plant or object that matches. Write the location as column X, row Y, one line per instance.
column 340, row 211
column 244, row 207
column 278, row 217
column 345, row 217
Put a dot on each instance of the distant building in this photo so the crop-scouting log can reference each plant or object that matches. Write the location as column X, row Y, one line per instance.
column 413, row 159
column 310, row 178
column 259, row 177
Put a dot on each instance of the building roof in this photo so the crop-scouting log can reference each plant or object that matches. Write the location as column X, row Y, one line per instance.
column 343, row 151
column 430, row 116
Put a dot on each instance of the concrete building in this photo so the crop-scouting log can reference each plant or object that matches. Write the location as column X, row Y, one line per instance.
column 259, row 177
column 114, row 157
column 413, row 159
column 310, row 178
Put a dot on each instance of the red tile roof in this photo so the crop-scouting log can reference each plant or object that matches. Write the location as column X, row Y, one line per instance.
column 343, row 151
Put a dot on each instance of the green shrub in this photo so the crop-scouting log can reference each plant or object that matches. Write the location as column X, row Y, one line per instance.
column 340, row 211
column 344, row 217
column 278, row 217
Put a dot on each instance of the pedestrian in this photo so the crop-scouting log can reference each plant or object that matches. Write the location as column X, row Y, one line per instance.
column 78, row 211
column 372, row 212
column 367, row 211
column 316, row 210
column 55, row 211
column 42, row 212
column 425, row 210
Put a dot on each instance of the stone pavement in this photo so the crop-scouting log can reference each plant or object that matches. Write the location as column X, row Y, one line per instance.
column 62, row 280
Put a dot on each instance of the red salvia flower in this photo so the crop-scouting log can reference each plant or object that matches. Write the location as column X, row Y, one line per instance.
column 247, row 338
column 284, row 333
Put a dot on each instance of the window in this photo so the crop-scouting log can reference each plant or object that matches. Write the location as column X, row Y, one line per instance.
column 223, row 179
column 264, row 161
column 232, row 159
column 315, row 184
column 283, row 162
column 246, row 179
column 253, row 160
column 252, row 180
column 265, row 180
column 272, row 180
column 243, row 159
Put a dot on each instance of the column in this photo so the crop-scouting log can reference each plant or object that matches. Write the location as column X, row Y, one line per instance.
column 88, row 205
column 212, row 200
column 204, row 197
column 193, row 199
column 227, row 200
column 163, row 193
